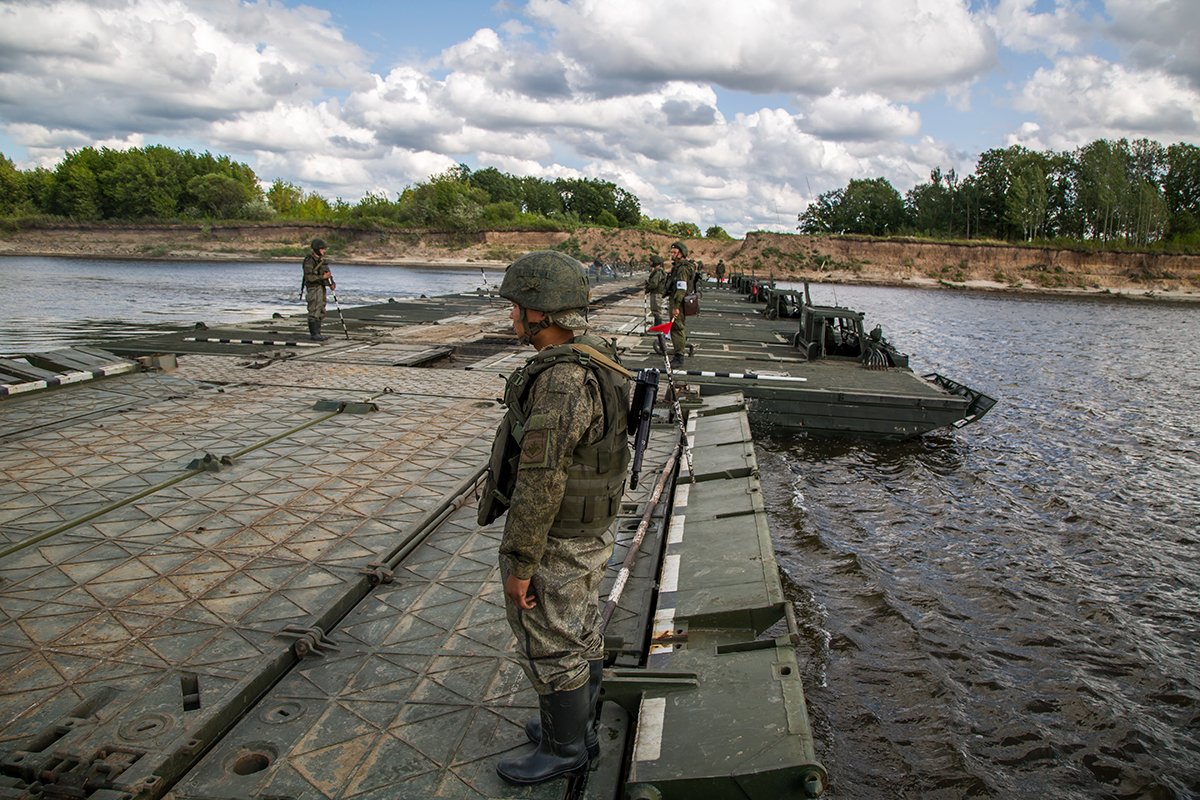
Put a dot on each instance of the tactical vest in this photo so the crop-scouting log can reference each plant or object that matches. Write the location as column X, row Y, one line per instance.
column 312, row 275
column 596, row 475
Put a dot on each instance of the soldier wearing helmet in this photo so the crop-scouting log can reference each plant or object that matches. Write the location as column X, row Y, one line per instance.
column 316, row 278
column 558, row 469
column 683, row 271
column 656, row 282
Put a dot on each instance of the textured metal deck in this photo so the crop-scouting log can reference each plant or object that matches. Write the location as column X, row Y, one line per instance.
column 260, row 575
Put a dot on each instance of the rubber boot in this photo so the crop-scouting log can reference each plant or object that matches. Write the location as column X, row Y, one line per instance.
column 561, row 750
column 677, row 360
column 314, row 330
column 533, row 726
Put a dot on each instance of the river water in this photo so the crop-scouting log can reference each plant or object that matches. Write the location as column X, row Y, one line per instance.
column 1009, row 610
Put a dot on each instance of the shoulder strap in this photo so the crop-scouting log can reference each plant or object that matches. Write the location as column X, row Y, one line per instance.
column 602, row 360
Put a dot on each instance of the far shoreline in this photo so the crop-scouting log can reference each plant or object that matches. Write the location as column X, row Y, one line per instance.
column 1096, row 293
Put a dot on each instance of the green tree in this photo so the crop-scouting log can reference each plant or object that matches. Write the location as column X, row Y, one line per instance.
column 446, row 201
column 628, row 209
column 685, row 230
column 931, row 206
column 285, row 197
column 1181, row 187
column 872, row 207
column 500, row 186
column 14, row 191
column 1028, row 197
column 541, row 197
column 1101, row 183
column 717, row 232
column 218, row 196
column 76, row 192
column 819, row 216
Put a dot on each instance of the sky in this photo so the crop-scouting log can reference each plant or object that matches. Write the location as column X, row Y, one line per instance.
column 734, row 113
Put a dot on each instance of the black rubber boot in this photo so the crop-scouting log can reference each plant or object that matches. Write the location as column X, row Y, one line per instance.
column 561, row 750
column 314, row 330
column 533, row 726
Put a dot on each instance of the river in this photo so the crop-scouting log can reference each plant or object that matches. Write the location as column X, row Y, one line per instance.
column 1009, row 610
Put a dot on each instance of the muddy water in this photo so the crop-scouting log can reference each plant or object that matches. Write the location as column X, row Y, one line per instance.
column 1009, row 610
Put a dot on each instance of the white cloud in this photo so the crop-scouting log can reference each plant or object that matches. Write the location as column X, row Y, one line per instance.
column 1159, row 34
column 1087, row 98
column 653, row 96
column 839, row 116
column 1021, row 28
column 902, row 47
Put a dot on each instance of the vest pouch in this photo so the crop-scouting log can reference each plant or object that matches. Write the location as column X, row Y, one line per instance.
column 691, row 304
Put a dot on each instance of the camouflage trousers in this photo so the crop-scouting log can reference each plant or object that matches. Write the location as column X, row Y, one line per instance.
column 655, row 303
column 679, row 334
column 559, row 636
column 315, row 295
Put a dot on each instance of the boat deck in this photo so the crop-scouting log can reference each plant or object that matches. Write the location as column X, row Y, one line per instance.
column 259, row 574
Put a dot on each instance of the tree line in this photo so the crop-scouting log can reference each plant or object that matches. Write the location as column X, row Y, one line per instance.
column 161, row 184
column 1136, row 193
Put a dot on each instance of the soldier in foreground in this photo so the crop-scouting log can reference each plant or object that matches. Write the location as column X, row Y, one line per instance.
column 683, row 272
column 316, row 277
column 558, row 467
column 655, row 285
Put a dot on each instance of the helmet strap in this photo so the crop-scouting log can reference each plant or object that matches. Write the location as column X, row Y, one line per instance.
column 530, row 329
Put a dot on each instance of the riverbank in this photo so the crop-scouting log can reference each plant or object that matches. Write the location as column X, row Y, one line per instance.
column 974, row 266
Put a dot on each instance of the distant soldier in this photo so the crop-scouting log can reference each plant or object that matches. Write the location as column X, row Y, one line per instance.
column 656, row 283
column 720, row 272
column 316, row 278
column 680, row 283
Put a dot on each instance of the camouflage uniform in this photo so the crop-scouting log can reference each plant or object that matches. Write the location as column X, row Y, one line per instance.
column 560, row 541
column 720, row 272
column 558, row 468
column 656, row 283
column 315, row 265
column 682, row 273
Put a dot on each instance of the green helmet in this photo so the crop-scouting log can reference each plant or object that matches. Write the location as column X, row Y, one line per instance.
column 656, row 259
column 317, row 244
column 681, row 247
column 547, row 281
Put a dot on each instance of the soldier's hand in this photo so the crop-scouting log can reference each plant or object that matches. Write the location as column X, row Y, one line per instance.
column 518, row 591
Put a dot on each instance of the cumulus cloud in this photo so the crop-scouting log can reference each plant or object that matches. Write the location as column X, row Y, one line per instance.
column 1020, row 27
column 1087, row 98
column 731, row 114
column 1159, row 35
column 870, row 117
column 808, row 47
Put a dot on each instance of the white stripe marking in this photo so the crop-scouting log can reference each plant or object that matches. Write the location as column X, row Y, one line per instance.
column 670, row 576
column 651, row 716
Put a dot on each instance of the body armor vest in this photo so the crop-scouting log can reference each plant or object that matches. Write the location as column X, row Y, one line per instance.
column 597, row 472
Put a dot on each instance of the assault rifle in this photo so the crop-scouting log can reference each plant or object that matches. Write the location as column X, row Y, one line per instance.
column 641, row 411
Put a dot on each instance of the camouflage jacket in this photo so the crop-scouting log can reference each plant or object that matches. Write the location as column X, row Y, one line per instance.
column 656, row 281
column 315, row 266
column 682, row 274
column 569, row 421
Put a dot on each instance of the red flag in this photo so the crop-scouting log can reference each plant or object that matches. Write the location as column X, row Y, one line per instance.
column 665, row 328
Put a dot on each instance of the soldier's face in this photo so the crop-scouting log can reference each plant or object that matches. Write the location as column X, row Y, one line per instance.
column 675, row 254
column 515, row 316
column 518, row 325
